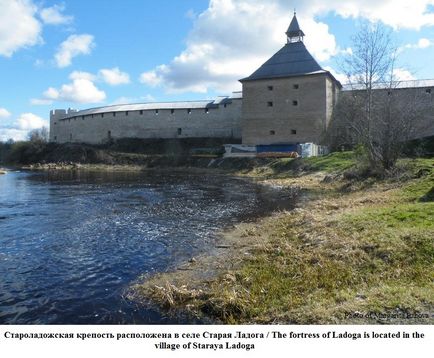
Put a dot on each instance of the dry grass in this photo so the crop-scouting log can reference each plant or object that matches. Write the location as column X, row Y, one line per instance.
column 360, row 252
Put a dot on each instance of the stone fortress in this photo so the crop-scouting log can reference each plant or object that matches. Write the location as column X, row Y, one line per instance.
column 288, row 100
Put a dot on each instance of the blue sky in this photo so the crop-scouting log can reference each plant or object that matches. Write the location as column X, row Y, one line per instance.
column 82, row 53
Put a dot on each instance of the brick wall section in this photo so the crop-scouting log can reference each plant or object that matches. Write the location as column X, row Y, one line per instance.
column 98, row 128
column 270, row 114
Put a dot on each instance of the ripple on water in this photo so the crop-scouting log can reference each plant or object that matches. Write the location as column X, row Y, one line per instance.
column 72, row 243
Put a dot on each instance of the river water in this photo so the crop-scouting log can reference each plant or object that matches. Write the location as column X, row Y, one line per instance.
column 71, row 243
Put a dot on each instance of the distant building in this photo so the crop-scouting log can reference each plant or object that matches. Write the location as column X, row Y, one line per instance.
column 288, row 100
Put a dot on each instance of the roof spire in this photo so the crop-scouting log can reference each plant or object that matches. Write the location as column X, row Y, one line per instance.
column 294, row 33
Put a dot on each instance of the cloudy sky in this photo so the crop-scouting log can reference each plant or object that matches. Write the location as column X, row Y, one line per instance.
column 82, row 53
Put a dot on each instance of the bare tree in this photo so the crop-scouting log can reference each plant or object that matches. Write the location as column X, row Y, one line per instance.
column 375, row 112
column 38, row 135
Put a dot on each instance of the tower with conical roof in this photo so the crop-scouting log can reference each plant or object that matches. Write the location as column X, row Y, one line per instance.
column 290, row 98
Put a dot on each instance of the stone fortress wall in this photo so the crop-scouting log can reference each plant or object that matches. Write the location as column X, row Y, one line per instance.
column 220, row 118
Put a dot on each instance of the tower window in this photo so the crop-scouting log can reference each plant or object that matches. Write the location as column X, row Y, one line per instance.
column 270, row 104
column 270, row 88
column 55, row 137
column 206, row 110
column 156, row 111
column 295, row 103
column 295, row 86
column 189, row 111
column 179, row 131
column 114, row 114
column 272, row 132
column 141, row 112
column 428, row 90
column 109, row 134
column 82, row 117
column 172, row 111
column 70, row 137
column 126, row 113
column 225, row 105
column 293, row 131
column 102, row 115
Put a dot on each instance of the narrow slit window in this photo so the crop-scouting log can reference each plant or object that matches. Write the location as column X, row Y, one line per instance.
column 114, row 114
column 293, row 131
column 206, row 110
column 296, row 86
column 102, row 115
column 179, row 131
column 270, row 104
column 82, row 117
column 141, row 112
column 156, row 111
column 270, row 88
column 295, row 103
column 272, row 132
column 126, row 113
column 172, row 111
column 189, row 111
column 428, row 90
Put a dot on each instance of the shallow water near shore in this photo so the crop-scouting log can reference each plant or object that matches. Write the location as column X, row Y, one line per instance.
column 71, row 243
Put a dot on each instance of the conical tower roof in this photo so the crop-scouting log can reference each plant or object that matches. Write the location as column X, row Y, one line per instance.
column 294, row 29
column 291, row 60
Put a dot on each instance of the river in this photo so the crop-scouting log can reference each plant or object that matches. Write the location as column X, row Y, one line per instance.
column 71, row 243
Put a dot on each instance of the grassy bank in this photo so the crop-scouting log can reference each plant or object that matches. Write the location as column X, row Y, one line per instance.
column 359, row 251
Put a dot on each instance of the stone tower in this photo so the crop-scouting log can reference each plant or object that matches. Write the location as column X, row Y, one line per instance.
column 290, row 98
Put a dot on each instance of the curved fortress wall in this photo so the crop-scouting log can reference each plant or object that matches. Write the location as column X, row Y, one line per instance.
column 220, row 118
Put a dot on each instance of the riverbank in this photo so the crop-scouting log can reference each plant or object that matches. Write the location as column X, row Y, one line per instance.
column 360, row 250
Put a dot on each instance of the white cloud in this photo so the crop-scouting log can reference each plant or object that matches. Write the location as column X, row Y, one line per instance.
column 73, row 46
column 40, row 102
column 18, row 26
column 53, row 15
column 114, row 76
column 4, row 113
column 80, row 90
column 29, row 121
column 142, row 99
column 21, row 127
column 401, row 74
column 81, row 75
column 421, row 44
column 12, row 133
column 232, row 38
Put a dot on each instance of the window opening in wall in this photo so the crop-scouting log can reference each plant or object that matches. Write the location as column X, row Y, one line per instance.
column 92, row 115
column 126, row 113
column 270, row 88
column 189, row 111
column 82, row 117
column 141, row 111
column 272, row 132
column 225, row 105
column 179, row 131
column 389, row 93
column 428, row 90
column 295, row 86
column 55, row 137
column 55, row 123
column 293, row 131
column 295, row 103
column 70, row 137
column 109, row 135
column 156, row 111
column 102, row 115
column 114, row 114
column 270, row 104
column 206, row 110
column 172, row 111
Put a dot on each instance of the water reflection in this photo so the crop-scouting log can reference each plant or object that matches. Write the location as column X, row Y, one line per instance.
column 71, row 242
